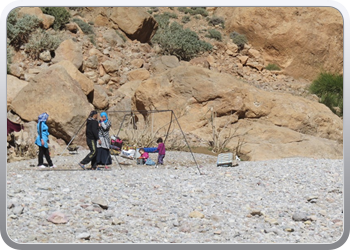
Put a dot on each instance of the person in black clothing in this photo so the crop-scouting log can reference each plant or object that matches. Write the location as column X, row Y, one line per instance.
column 92, row 139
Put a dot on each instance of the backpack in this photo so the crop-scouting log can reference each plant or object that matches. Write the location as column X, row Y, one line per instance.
column 116, row 142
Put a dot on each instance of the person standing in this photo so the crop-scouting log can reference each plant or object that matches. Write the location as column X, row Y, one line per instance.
column 42, row 140
column 92, row 139
column 103, row 154
column 161, row 151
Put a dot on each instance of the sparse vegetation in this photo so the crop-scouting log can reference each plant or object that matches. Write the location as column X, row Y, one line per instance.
column 215, row 34
column 41, row 41
column 61, row 16
column 238, row 39
column 329, row 87
column 194, row 11
column 86, row 28
column 272, row 66
column 9, row 57
column 217, row 21
column 20, row 29
column 182, row 43
column 185, row 19
column 152, row 10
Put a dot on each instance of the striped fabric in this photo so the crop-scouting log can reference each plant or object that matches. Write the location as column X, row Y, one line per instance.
column 103, row 134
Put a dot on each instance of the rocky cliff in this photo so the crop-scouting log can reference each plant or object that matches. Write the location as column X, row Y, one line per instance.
column 226, row 92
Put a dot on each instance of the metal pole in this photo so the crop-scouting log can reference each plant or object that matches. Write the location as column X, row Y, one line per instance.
column 74, row 137
column 187, row 142
column 171, row 121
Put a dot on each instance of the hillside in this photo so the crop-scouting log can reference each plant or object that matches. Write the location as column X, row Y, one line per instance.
column 107, row 59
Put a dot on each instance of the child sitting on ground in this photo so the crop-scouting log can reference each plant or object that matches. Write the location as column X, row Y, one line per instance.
column 144, row 155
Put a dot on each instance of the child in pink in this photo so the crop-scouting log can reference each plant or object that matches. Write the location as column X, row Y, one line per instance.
column 144, row 155
column 161, row 151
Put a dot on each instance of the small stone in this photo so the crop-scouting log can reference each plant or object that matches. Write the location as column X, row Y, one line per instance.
column 58, row 218
column 299, row 216
column 218, row 232
column 84, row 236
column 256, row 212
column 18, row 210
column 101, row 202
column 289, row 230
column 196, row 214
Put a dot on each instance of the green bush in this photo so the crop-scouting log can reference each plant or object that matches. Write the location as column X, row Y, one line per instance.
column 217, row 21
column 41, row 41
column 152, row 10
column 215, row 34
column 182, row 43
column 194, row 11
column 19, row 29
column 86, row 28
column 163, row 20
column 185, row 19
column 9, row 55
column 238, row 39
column 184, row 10
column 329, row 87
column 199, row 11
column 272, row 67
column 61, row 16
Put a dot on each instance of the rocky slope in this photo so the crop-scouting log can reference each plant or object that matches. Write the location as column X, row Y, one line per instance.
column 271, row 112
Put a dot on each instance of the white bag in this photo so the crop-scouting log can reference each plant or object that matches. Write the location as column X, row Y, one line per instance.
column 128, row 153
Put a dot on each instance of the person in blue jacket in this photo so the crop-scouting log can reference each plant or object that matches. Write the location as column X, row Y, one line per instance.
column 42, row 141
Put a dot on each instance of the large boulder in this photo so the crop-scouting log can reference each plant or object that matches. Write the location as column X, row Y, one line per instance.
column 71, row 51
column 14, row 86
column 85, row 83
column 56, row 92
column 100, row 97
column 281, row 119
column 135, row 22
column 301, row 40
column 163, row 63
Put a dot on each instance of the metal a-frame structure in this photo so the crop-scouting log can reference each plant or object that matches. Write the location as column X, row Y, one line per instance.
column 173, row 119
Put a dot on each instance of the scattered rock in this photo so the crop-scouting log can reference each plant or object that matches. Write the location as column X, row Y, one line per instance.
column 58, row 218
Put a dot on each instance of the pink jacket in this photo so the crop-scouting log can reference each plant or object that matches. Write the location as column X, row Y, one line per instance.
column 145, row 155
column 161, row 149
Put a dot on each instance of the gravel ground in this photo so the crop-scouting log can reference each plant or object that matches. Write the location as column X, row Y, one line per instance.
column 294, row 200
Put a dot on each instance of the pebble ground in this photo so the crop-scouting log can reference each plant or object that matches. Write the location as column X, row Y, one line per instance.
column 294, row 200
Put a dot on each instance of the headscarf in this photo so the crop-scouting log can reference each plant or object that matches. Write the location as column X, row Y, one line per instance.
column 43, row 117
column 105, row 114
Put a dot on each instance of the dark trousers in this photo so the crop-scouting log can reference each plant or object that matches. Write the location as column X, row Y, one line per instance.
column 160, row 159
column 90, row 157
column 44, row 152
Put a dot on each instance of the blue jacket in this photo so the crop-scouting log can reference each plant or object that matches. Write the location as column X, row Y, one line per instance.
column 43, row 133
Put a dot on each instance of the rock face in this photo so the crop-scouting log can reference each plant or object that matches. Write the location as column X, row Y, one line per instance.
column 282, row 124
column 56, row 92
column 283, row 34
